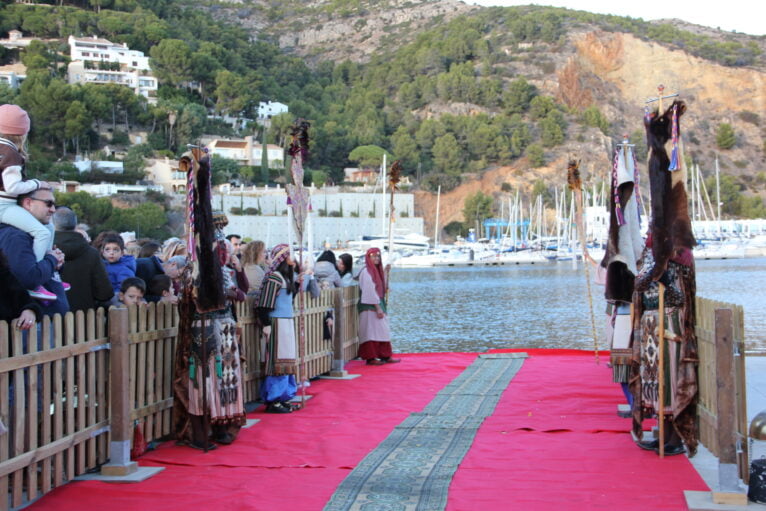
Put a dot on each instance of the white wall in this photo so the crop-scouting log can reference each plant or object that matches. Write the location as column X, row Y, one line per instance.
column 364, row 203
column 273, row 229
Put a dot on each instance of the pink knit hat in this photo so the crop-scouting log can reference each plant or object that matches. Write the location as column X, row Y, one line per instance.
column 13, row 120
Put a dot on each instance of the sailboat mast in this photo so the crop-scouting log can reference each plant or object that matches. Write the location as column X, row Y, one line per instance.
column 718, row 194
column 436, row 226
column 383, row 198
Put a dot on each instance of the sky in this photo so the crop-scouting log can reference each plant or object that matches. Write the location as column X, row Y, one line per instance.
column 748, row 16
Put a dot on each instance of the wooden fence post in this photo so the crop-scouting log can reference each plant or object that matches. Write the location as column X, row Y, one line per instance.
column 728, row 472
column 120, row 405
column 339, row 362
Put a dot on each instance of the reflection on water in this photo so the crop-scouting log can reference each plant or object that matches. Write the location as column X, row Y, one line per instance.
column 539, row 306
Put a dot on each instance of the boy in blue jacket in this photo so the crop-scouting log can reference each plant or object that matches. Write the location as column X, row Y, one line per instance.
column 119, row 265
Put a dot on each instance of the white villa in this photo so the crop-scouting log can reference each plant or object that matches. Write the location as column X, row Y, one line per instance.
column 247, row 151
column 268, row 109
column 96, row 60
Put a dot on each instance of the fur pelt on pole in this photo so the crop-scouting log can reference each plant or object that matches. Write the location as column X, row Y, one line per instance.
column 670, row 244
column 671, row 225
column 203, row 289
column 206, row 274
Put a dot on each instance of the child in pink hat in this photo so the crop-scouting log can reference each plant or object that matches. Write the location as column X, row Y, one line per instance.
column 14, row 126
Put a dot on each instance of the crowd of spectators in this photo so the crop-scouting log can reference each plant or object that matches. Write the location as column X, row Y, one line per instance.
column 116, row 269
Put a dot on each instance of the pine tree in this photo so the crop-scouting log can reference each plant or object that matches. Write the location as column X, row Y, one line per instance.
column 725, row 136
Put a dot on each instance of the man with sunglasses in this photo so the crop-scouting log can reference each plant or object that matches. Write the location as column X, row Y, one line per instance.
column 17, row 246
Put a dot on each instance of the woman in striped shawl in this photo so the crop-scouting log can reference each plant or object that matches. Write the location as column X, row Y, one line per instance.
column 275, row 312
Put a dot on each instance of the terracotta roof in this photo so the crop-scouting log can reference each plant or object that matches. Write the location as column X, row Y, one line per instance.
column 230, row 144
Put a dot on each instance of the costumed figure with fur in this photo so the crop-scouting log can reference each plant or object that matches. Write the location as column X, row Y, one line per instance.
column 207, row 380
column 667, row 260
column 275, row 312
column 620, row 263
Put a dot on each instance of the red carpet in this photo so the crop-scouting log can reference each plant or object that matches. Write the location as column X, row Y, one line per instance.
column 285, row 462
column 554, row 442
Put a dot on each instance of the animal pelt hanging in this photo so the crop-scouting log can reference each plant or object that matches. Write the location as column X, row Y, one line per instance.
column 671, row 225
column 203, row 289
column 207, row 278
column 625, row 244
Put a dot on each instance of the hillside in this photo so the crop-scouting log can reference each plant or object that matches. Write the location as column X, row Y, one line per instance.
column 467, row 97
column 338, row 30
column 580, row 59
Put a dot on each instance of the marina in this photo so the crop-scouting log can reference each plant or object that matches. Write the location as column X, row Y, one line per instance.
column 426, row 255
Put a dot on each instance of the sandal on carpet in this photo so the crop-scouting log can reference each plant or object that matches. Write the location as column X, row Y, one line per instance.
column 224, row 439
column 391, row 360
column 375, row 362
column 292, row 405
column 210, row 446
column 649, row 445
column 672, row 450
column 277, row 407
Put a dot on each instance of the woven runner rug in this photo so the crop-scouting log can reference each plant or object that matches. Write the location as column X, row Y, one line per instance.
column 412, row 468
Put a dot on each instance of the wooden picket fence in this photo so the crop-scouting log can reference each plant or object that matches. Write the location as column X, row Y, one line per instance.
column 152, row 331
column 54, row 397
column 53, row 401
column 346, row 327
column 710, row 411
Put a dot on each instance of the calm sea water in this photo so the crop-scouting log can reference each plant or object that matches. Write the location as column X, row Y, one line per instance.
column 537, row 306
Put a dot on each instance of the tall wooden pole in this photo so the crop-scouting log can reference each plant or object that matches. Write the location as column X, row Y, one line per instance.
column 394, row 177
column 661, row 371
column 575, row 183
column 301, row 325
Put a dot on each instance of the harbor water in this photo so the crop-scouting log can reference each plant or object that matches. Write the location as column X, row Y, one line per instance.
column 538, row 306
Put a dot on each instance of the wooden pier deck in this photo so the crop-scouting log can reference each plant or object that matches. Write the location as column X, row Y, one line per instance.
column 553, row 442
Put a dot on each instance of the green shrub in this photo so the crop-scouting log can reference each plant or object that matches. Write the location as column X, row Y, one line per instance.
column 725, row 137
column 536, row 155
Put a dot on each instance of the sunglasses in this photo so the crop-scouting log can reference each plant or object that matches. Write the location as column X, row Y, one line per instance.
column 48, row 203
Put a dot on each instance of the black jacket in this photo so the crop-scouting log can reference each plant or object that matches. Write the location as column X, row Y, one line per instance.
column 84, row 270
column 14, row 299
column 146, row 269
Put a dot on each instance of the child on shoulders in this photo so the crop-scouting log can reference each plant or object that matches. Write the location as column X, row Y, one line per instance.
column 14, row 127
